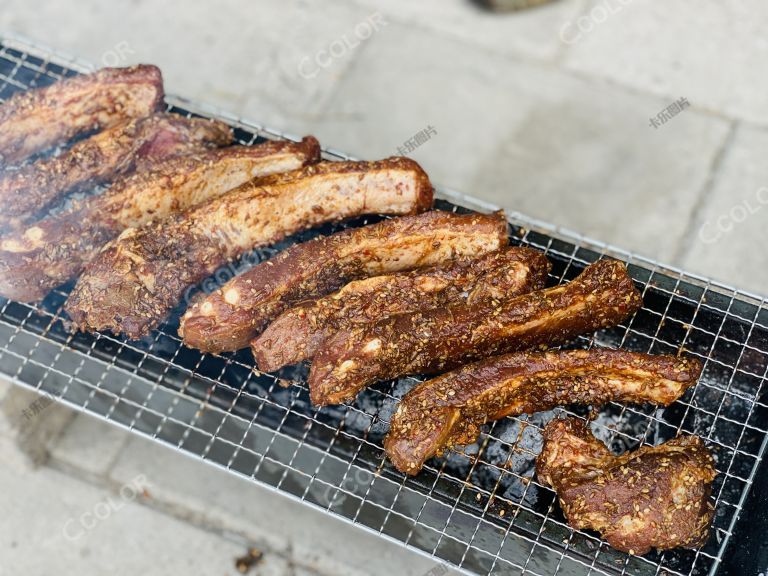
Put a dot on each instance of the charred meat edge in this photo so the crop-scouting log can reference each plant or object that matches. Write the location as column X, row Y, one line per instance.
column 230, row 317
column 55, row 249
column 653, row 497
column 135, row 144
column 134, row 282
column 297, row 333
column 38, row 119
column 448, row 410
column 444, row 338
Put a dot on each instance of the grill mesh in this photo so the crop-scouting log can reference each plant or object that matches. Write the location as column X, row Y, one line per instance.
column 480, row 509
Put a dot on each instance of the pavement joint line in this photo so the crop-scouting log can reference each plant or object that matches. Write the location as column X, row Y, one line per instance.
column 703, row 199
column 562, row 67
column 326, row 108
column 107, row 473
column 116, row 458
column 531, row 60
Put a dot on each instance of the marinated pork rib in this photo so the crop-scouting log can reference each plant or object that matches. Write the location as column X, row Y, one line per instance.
column 449, row 410
column 655, row 497
column 100, row 158
column 132, row 284
column 38, row 119
column 230, row 317
column 443, row 338
column 55, row 249
column 297, row 333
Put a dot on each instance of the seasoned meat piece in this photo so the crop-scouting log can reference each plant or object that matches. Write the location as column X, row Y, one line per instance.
column 55, row 249
column 296, row 334
column 132, row 284
column 449, row 410
column 655, row 497
column 230, row 317
column 37, row 119
column 443, row 338
column 100, row 158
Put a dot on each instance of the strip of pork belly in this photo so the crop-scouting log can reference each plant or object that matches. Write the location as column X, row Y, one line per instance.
column 653, row 497
column 229, row 318
column 448, row 410
column 444, row 338
column 55, row 249
column 38, row 119
column 134, row 282
column 96, row 160
column 297, row 333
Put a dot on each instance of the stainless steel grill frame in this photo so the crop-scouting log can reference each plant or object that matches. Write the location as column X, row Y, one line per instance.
column 481, row 510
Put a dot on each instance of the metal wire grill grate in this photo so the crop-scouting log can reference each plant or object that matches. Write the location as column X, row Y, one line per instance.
column 481, row 508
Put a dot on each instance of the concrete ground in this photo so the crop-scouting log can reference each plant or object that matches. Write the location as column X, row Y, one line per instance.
column 643, row 124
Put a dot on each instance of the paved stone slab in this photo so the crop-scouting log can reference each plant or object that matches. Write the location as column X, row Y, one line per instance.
column 211, row 497
column 530, row 139
column 201, row 493
column 714, row 53
column 470, row 97
column 243, row 56
column 592, row 163
column 65, row 527
column 28, row 423
column 729, row 238
column 534, row 33
column 497, row 121
column 89, row 445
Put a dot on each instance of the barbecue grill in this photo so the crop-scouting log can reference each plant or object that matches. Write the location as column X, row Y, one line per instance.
column 479, row 509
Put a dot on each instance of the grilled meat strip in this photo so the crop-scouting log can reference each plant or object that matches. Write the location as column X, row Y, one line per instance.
column 443, row 338
column 297, row 333
column 449, row 410
column 230, row 317
column 38, row 119
column 55, row 249
column 132, row 284
column 98, row 159
column 654, row 497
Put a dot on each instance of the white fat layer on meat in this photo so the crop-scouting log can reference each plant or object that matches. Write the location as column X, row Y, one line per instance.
column 142, row 201
column 241, row 218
